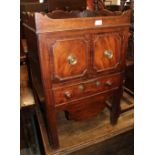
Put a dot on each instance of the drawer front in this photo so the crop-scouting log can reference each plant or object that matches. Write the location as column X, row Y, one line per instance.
column 107, row 52
column 85, row 88
column 70, row 57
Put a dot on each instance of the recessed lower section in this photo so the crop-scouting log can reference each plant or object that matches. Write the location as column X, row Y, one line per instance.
column 87, row 108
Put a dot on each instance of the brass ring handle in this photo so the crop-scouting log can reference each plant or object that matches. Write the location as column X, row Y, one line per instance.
column 108, row 54
column 72, row 60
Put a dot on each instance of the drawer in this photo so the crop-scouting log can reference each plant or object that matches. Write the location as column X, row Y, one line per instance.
column 83, row 89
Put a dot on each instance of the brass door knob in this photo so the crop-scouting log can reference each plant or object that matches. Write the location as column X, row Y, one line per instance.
column 68, row 94
column 72, row 60
column 98, row 83
column 108, row 54
column 81, row 87
column 108, row 83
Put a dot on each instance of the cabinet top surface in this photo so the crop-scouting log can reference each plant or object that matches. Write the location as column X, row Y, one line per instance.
column 61, row 20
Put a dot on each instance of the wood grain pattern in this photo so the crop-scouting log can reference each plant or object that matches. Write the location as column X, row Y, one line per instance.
column 62, row 50
column 107, row 42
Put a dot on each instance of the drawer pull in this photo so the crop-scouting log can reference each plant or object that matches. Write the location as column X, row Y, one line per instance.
column 81, row 87
column 108, row 83
column 108, row 54
column 68, row 94
column 97, row 83
column 72, row 60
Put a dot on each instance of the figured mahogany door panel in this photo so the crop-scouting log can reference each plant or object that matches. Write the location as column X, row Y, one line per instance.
column 70, row 58
column 107, row 52
column 85, row 88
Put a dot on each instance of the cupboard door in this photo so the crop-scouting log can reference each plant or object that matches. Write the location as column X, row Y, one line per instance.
column 107, row 52
column 70, row 58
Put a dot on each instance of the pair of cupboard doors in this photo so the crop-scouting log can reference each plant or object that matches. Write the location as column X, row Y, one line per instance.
column 86, row 54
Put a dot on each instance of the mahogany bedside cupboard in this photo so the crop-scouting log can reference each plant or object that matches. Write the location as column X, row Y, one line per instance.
column 78, row 63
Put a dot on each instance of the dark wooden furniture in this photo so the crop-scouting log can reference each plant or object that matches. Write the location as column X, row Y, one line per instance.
column 95, row 4
column 34, row 6
column 78, row 62
column 66, row 5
